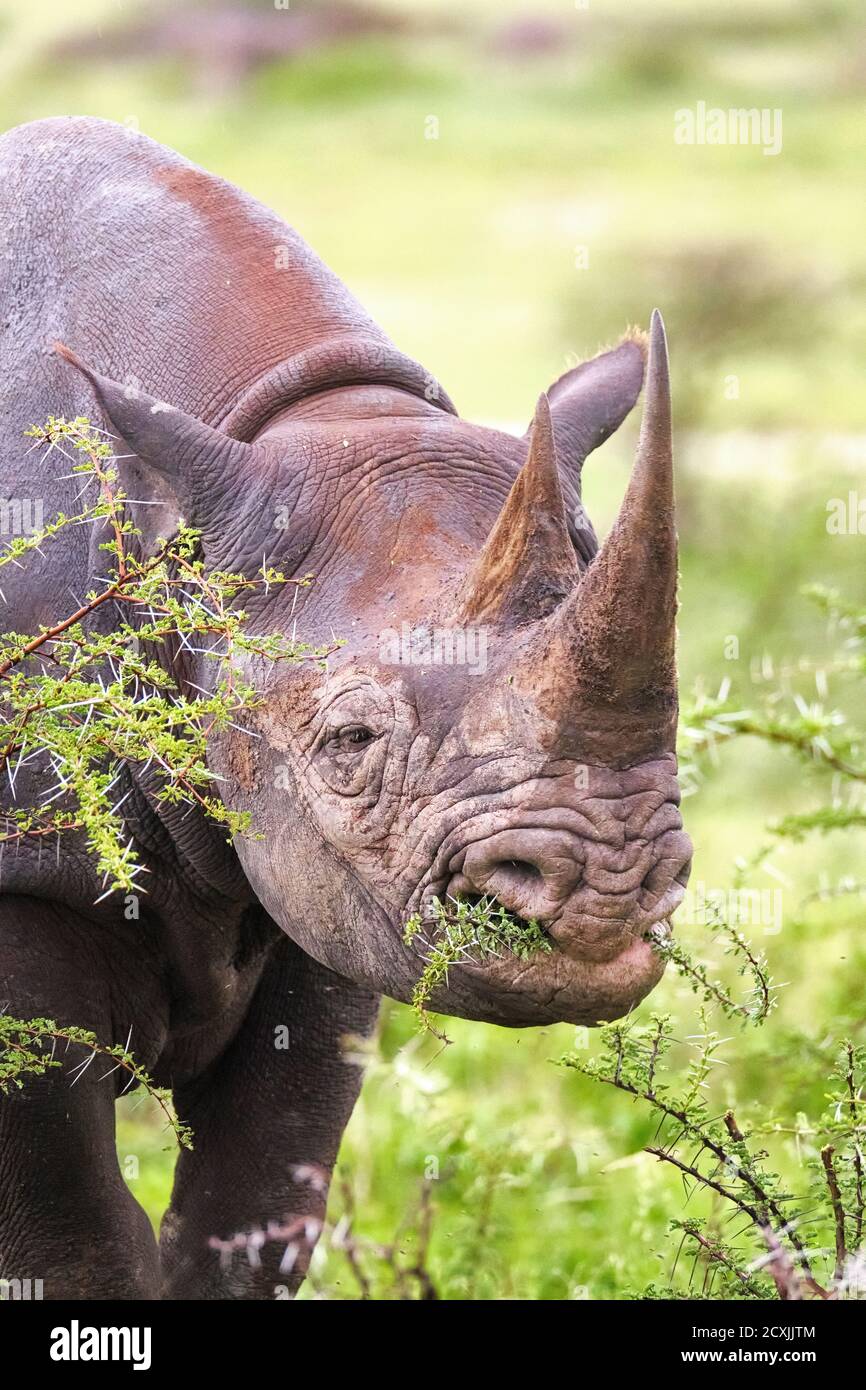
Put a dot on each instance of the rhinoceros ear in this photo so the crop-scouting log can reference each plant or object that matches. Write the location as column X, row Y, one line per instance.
column 590, row 401
column 207, row 469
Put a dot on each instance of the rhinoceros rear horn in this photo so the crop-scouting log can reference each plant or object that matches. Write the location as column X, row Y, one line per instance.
column 528, row 563
column 191, row 454
column 617, row 632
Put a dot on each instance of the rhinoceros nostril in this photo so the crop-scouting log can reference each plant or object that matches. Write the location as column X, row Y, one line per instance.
column 523, row 868
column 530, row 872
column 507, row 879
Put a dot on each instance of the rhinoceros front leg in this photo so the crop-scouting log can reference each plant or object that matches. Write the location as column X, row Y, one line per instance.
column 273, row 1106
column 66, row 1216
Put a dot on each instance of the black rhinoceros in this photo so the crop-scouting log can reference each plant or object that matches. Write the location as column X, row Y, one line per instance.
column 256, row 399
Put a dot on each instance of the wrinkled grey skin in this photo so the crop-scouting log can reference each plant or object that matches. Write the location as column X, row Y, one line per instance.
column 297, row 431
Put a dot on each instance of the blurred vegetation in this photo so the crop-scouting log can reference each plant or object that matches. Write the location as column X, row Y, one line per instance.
column 555, row 148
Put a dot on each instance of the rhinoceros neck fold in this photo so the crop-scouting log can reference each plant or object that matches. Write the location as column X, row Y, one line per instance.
column 352, row 360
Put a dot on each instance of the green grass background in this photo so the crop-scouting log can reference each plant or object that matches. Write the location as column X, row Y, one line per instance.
column 464, row 248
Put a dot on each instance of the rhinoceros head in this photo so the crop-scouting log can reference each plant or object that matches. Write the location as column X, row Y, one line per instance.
column 500, row 722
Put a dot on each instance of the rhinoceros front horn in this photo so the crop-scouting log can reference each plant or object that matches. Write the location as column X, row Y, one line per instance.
column 617, row 629
column 528, row 564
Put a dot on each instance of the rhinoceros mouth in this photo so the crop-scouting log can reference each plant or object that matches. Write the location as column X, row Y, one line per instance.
column 562, row 981
column 601, row 936
column 583, row 915
column 553, row 986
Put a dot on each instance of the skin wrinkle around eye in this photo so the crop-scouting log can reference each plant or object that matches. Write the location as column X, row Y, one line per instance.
column 368, row 793
column 312, row 784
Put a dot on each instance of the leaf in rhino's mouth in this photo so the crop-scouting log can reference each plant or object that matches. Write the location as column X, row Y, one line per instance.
column 466, row 930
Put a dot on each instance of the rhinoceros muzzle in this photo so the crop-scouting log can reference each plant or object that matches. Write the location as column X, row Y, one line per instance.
column 590, row 903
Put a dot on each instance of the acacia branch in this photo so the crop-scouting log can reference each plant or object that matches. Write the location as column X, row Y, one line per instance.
column 838, row 1210
column 857, row 1159
column 770, row 1204
column 121, row 1058
column 715, row 1254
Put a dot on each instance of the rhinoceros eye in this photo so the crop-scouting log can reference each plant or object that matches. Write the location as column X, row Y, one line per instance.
column 352, row 739
column 354, row 734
